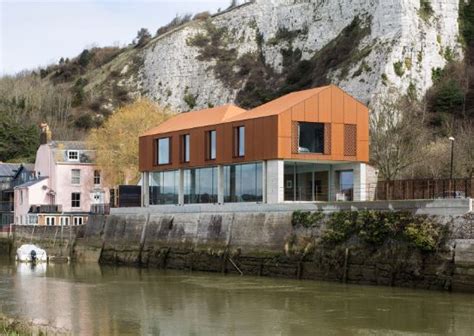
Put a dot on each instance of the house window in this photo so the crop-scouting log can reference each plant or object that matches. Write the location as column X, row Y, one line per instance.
column 33, row 219
column 239, row 141
column 96, row 177
column 211, row 145
column 50, row 220
column 75, row 176
column 185, row 148
column 64, row 221
column 163, row 151
column 76, row 200
column 310, row 137
column 77, row 220
column 73, row 155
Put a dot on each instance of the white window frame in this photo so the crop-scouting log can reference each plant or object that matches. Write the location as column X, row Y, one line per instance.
column 74, row 156
column 77, row 220
column 33, row 219
column 72, row 206
column 97, row 176
column 50, row 220
column 75, row 180
column 64, row 220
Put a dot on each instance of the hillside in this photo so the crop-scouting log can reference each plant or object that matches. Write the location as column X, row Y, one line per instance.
column 256, row 52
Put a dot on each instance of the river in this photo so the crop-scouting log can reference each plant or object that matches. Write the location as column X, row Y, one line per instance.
column 98, row 300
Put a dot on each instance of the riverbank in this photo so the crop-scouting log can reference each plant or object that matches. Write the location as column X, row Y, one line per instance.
column 5, row 246
column 18, row 327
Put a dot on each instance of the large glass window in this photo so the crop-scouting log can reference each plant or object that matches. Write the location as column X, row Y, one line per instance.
column 200, row 185
column 185, row 150
column 164, row 151
column 164, row 187
column 243, row 183
column 211, row 145
column 306, row 182
column 311, row 137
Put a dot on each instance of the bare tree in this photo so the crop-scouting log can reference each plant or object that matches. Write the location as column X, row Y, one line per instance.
column 397, row 137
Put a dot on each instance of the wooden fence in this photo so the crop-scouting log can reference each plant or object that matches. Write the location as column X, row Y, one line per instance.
column 425, row 189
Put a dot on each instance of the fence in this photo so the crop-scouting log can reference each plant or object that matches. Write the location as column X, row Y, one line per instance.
column 425, row 189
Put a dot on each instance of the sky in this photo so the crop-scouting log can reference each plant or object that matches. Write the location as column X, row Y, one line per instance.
column 36, row 33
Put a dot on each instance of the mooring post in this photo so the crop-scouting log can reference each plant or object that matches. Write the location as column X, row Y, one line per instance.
column 299, row 270
column 346, row 263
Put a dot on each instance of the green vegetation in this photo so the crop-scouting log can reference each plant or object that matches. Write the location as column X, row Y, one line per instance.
column 19, row 139
column 398, row 68
column 190, row 100
column 425, row 11
column 306, row 219
column 408, row 63
column 374, row 228
column 466, row 21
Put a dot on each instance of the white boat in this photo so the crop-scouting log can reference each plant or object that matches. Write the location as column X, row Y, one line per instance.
column 31, row 253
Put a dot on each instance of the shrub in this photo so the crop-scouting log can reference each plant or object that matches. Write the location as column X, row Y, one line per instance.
column 423, row 234
column 448, row 96
column 190, row 100
column 306, row 219
column 426, row 11
column 84, row 58
column 375, row 228
column 398, row 68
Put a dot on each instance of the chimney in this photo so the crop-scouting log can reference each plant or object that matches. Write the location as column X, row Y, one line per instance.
column 45, row 136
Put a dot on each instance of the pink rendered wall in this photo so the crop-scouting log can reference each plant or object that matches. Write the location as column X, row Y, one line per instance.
column 32, row 195
column 64, row 188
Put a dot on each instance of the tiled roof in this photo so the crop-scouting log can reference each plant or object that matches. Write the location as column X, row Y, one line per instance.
column 194, row 119
column 231, row 113
column 9, row 169
column 67, row 145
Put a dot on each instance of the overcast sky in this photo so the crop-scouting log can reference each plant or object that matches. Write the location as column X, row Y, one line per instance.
column 36, row 32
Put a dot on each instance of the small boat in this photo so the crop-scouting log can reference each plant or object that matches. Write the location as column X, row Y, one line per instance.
column 31, row 253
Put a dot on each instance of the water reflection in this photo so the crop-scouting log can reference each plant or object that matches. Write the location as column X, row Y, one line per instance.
column 93, row 300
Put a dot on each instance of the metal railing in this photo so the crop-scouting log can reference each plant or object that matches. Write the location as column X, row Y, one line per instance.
column 46, row 208
column 100, row 209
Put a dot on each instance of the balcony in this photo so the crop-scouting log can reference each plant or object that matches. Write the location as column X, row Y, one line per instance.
column 46, row 208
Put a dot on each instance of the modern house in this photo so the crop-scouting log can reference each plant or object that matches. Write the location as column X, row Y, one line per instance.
column 308, row 146
column 68, row 185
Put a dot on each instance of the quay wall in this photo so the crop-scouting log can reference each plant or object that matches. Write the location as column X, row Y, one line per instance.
column 251, row 242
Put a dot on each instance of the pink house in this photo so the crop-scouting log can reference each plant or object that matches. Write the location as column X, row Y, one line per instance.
column 67, row 189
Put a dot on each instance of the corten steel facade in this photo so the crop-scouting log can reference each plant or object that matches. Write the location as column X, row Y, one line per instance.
column 273, row 135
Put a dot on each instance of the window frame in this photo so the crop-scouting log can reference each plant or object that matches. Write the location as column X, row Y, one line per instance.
column 210, row 136
column 76, row 152
column 239, row 152
column 97, row 177
column 75, row 177
column 299, row 138
column 157, row 151
column 76, row 220
column 185, row 148
column 75, row 200
column 51, row 220
column 64, row 220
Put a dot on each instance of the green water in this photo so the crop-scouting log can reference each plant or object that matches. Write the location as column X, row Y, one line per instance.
column 93, row 300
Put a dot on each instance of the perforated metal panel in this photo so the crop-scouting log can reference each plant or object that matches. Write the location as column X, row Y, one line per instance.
column 327, row 139
column 350, row 140
column 295, row 136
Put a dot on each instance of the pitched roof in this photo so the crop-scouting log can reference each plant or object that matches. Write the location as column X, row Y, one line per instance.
column 9, row 169
column 231, row 113
column 194, row 119
column 278, row 105
column 32, row 182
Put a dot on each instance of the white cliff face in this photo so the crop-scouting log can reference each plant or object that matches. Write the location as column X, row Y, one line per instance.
column 406, row 43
